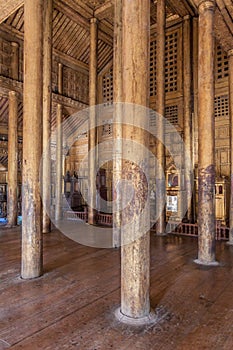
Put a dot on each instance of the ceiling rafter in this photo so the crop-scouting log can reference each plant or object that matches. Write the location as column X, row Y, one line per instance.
column 8, row 7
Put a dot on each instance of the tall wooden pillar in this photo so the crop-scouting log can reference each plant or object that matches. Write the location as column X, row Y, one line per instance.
column 230, row 63
column 135, row 255
column 160, row 109
column 92, row 135
column 206, row 144
column 12, row 200
column 58, row 195
column 117, row 119
column 47, row 95
column 32, row 140
column 15, row 60
column 195, row 104
column 187, row 114
column 60, row 78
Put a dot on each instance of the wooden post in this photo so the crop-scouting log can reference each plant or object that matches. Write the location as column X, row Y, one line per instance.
column 206, row 144
column 160, row 109
column 15, row 61
column 47, row 94
column 195, row 105
column 58, row 206
column 60, row 78
column 12, row 200
column 187, row 115
column 117, row 119
column 135, row 255
column 230, row 63
column 32, row 141
column 92, row 135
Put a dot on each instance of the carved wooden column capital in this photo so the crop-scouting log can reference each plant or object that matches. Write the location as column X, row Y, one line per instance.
column 205, row 5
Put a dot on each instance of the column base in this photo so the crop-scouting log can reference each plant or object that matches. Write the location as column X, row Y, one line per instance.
column 10, row 226
column 206, row 263
column 142, row 321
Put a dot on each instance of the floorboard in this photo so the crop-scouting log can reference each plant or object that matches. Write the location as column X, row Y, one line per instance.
column 72, row 305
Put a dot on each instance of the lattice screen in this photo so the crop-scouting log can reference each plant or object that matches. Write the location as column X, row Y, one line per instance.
column 107, row 130
column 153, row 68
column 221, row 64
column 75, row 84
column 221, row 106
column 171, row 66
column 107, row 87
column 171, row 113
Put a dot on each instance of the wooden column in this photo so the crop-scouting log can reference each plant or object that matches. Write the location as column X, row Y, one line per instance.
column 195, row 106
column 58, row 196
column 60, row 78
column 12, row 200
column 135, row 255
column 32, row 140
column 47, row 95
column 187, row 115
column 117, row 119
column 206, row 144
column 230, row 63
column 160, row 109
column 92, row 135
column 15, row 61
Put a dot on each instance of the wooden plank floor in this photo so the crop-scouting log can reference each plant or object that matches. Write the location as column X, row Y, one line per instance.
column 72, row 305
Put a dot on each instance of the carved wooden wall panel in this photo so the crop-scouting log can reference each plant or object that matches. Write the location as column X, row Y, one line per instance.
column 173, row 62
column 221, row 63
column 5, row 57
column 75, row 84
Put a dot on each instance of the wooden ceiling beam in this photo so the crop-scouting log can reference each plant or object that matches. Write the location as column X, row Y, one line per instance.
column 77, row 18
column 222, row 31
column 229, row 6
column 226, row 16
column 102, row 11
column 8, row 7
column 71, row 13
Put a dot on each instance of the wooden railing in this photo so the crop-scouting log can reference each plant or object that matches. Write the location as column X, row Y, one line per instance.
column 187, row 229
column 75, row 215
column 183, row 228
column 104, row 219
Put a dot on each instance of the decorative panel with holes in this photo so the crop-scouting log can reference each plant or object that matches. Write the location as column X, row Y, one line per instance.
column 171, row 66
column 221, row 63
column 75, row 84
column 153, row 68
column 171, row 113
column 173, row 60
column 107, row 87
column 174, row 112
column 221, row 106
